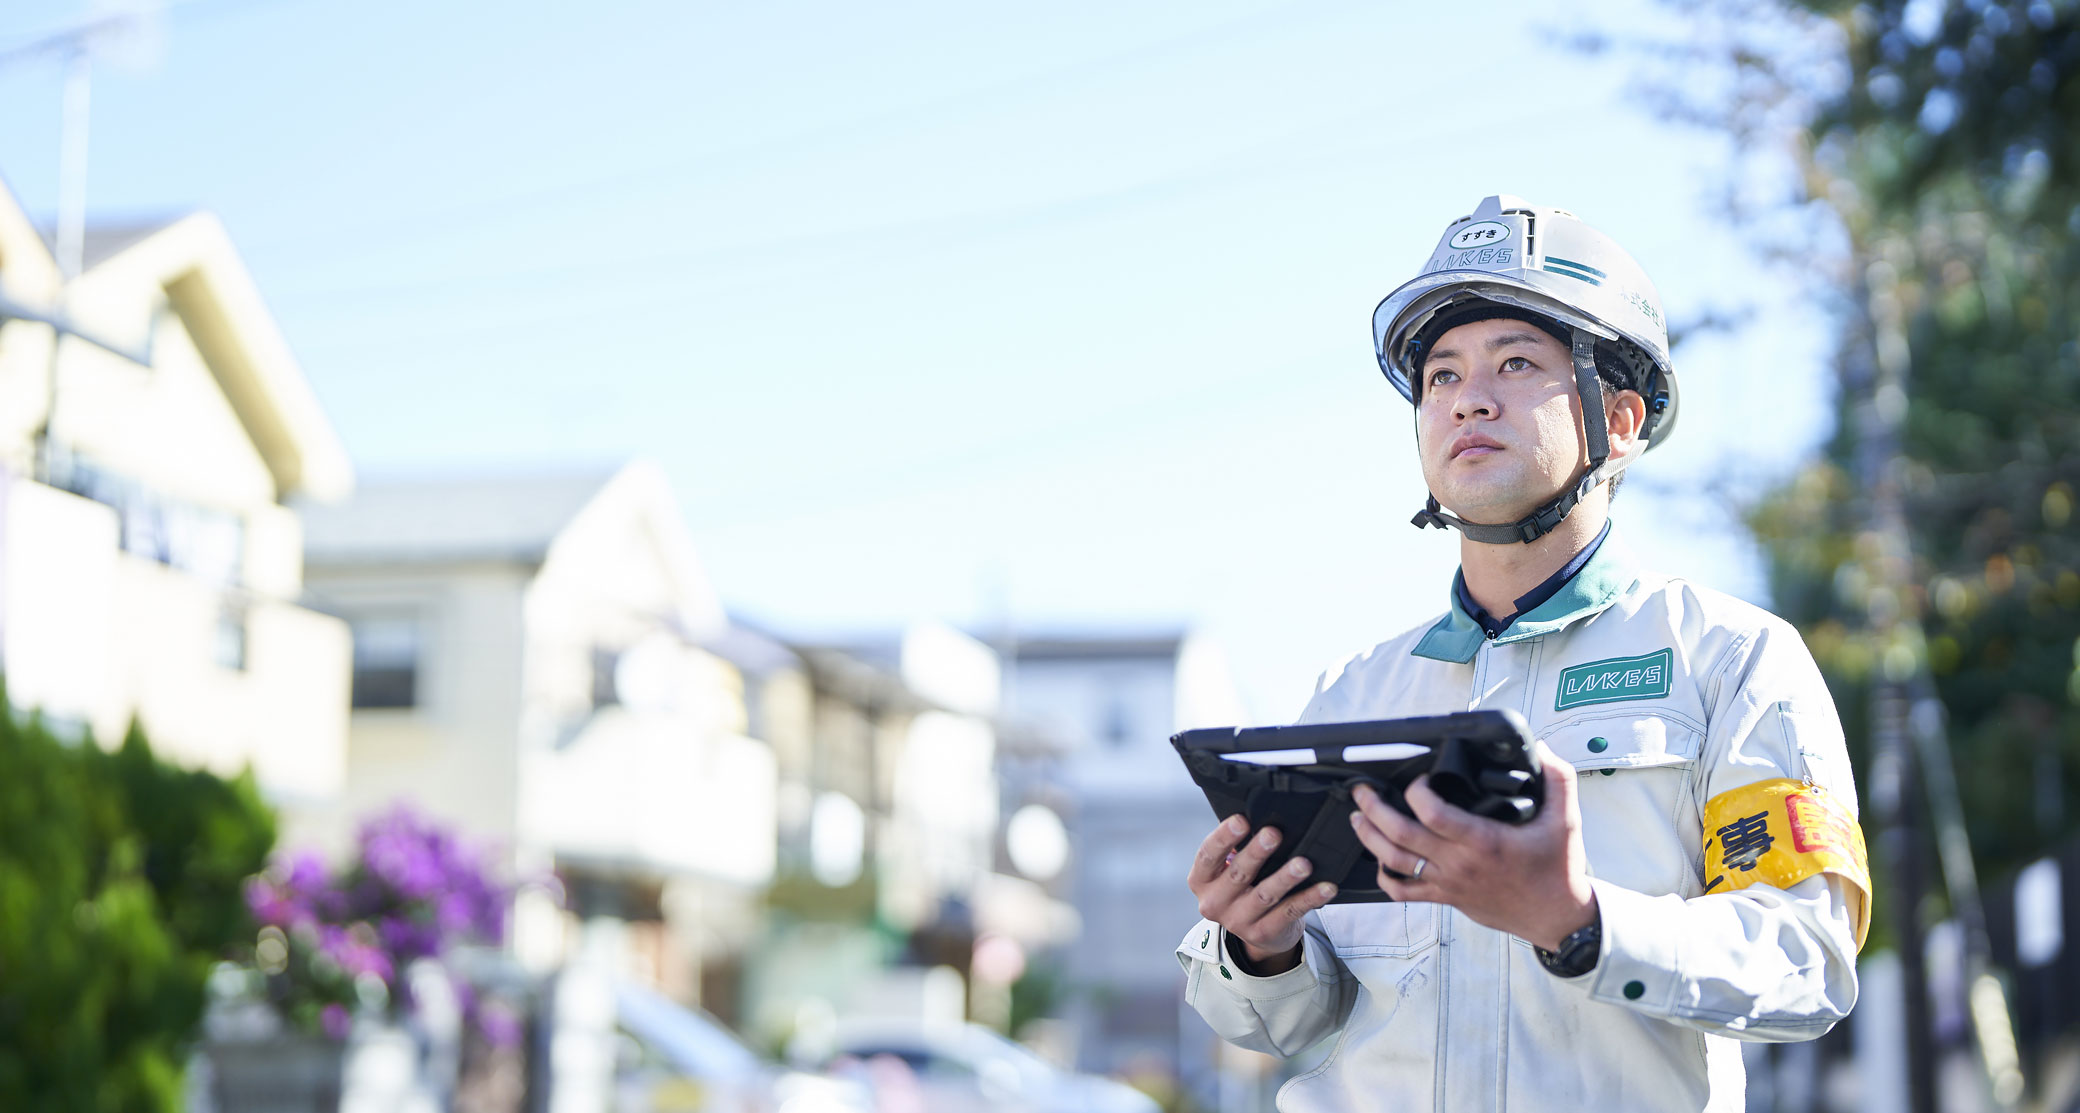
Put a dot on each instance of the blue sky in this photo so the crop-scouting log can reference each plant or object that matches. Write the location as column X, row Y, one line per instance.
column 939, row 309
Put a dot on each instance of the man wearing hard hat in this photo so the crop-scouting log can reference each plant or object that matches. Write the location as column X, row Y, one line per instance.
column 1696, row 877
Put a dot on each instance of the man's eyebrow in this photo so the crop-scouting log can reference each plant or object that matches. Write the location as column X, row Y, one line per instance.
column 1495, row 344
column 1498, row 343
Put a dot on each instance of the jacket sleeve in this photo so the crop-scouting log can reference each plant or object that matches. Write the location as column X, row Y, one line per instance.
column 1763, row 962
column 1283, row 1014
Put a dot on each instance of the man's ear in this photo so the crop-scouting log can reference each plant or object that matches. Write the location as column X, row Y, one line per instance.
column 1625, row 414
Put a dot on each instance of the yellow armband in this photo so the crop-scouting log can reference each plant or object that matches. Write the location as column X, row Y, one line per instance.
column 1780, row 833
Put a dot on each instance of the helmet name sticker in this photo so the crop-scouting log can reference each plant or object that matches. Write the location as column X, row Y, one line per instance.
column 1481, row 234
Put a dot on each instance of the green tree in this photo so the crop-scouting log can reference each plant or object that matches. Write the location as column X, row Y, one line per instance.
column 1947, row 154
column 120, row 886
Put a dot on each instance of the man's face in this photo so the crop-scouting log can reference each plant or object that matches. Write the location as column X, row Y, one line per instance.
column 1499, row 423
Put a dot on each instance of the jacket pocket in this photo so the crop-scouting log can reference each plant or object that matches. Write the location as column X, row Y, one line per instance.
column 1635, row 775
column 1387, row 929
column 1623, row 740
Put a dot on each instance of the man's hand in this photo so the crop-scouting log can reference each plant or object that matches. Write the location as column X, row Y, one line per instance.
column 1265, row 917
column 1530, row 881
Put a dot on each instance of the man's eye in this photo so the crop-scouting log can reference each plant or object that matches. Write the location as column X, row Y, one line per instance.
column 1515, row 363
column 1441, row 376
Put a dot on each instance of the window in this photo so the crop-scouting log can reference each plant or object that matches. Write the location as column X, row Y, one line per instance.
column 386, row 661
column 208, row 544
column 229, row 643
column 605, row 662
column 1118, row 728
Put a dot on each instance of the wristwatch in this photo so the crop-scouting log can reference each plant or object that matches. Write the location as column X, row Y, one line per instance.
column 1578, row 952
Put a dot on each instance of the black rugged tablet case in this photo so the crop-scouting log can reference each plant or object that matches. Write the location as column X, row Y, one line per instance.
column 1481, row 761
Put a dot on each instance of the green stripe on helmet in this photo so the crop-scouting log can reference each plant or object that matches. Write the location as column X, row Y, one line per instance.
column 1565, row 272
column 1575, row 265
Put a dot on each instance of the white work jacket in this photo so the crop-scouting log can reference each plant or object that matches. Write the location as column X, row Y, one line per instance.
column 1432, row 1011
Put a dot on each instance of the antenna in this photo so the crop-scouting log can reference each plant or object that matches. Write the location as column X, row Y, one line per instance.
column 71, row 245
column 126, row 32
column 135, row 26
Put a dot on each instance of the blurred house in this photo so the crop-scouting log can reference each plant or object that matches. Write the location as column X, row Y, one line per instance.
column 1101, row 708
column 153, row 429
column 529, row 663
column 888, row 819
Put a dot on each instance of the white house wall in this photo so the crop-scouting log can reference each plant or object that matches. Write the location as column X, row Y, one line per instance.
column 169, row 424
column 453, row 755
column 25, row 355
column 655, row 794
column 946, row 798
column 1118, row 715
column 29, row 276
column 57, row 593
column 628, row 551
column 94, row 636
column 662, row 780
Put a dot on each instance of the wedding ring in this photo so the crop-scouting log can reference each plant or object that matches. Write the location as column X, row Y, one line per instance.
column 1416, row 874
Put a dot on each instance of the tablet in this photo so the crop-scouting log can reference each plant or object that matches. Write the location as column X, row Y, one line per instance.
column 1299, row 779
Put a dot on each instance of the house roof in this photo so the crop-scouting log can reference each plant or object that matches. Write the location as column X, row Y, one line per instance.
column 191, row 258
column 502, row 518
column 556, row 525
column 1163, row 645
column 220, row 306
column 750, row 648
column 108, row 238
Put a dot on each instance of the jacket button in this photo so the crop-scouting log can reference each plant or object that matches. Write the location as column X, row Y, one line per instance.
column 1231, row 977
column 1610, row 772
column 1598, row 745
column 1633, row 990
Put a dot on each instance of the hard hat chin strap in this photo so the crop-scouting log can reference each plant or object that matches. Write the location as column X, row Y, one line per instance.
column 1547, row 518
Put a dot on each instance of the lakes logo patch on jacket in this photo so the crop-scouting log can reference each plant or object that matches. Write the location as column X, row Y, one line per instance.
column 1618, row 678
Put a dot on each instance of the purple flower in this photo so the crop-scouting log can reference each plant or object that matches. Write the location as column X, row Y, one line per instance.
column 407, row 939
column 500, row 1027
column 455, row 914
column 402, row 865
column 336, row 1021
column 265, row 902
column 306, row 873
column 354, row 950
column 414, row 891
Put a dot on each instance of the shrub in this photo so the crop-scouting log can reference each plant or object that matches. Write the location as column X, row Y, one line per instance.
column 120, row 887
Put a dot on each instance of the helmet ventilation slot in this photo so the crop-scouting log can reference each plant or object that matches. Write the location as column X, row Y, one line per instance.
column 1530, row 234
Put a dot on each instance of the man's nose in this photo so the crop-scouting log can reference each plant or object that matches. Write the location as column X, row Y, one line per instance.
column 1475, row 399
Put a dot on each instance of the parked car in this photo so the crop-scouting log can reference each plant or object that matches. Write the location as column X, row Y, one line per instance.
column 967, row 1068
column 674, row 1059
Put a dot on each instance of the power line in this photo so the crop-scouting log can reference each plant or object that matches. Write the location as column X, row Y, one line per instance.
column 881, row 124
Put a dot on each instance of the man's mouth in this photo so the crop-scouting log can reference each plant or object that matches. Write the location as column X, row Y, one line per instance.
column 1475, row 446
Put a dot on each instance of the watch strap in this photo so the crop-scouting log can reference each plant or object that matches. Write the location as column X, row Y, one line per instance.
column 1578, row 953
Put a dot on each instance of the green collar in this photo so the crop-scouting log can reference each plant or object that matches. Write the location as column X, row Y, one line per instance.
column 1613, row 570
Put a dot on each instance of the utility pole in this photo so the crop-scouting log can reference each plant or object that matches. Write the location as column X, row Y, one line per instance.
column 1911, row 754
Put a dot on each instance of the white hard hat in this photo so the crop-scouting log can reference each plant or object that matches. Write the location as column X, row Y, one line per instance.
column 1547, row 262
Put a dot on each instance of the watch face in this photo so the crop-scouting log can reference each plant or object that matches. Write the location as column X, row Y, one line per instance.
column 1578, row 952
